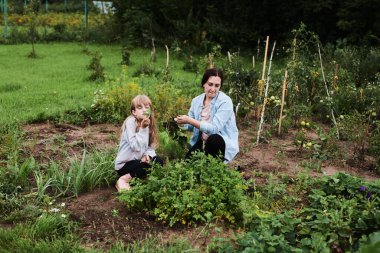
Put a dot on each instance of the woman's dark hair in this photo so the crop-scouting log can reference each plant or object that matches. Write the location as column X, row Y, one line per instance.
column 212, row 72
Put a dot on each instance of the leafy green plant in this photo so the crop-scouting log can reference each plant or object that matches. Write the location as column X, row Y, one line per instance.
column 168, row 102
column 170, row 148
column 113, row 104
column 195, row 190
column 125, row 56
column 32, row 10
column 97, row 69
column 146, row 69
column 341, row 211
column 355, row 128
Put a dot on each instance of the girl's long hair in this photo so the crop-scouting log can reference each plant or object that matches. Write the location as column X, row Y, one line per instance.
column 153, row 133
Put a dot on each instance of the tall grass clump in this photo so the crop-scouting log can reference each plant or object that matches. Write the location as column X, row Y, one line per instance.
column 49, row 233
column 93, row 170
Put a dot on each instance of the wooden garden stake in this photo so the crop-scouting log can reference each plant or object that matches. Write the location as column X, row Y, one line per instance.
column 253, row 62
column 294, row 50
column 282, row 101
column 265, row 95
column 261, row 82
column 167, row 56
column 258, row 48
column 229, row 57
column 327, row 90
column 153, row 52
column 335, row 76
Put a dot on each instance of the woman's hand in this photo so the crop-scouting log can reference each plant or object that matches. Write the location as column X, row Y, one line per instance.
column 182, row 119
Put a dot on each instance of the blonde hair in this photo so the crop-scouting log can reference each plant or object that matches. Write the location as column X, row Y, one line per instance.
column 153, row 133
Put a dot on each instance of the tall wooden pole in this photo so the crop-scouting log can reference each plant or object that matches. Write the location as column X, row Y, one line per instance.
column 282, row 101
column 265, row 96
column 327, row 90
column 261, row 82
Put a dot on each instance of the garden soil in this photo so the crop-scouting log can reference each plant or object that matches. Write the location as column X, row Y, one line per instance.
column 103, row 219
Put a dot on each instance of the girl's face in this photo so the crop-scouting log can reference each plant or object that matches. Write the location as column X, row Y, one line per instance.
column 212, row 86
column 142, row 111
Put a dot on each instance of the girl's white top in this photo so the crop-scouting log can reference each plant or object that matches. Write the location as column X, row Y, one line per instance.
column 133, row 144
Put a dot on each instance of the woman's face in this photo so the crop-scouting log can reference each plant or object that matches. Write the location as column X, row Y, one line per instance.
column 212, row 86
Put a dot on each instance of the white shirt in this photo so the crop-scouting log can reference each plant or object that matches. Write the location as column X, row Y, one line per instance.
column 133, row 144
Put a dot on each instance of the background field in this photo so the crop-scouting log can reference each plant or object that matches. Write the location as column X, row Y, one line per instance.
column 58, row 80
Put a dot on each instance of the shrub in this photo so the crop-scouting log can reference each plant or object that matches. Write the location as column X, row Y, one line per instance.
column 113, row 105
column 168, row 102
column 96, row 67
column 355, row 128
column 125, row 56
column 195, row 190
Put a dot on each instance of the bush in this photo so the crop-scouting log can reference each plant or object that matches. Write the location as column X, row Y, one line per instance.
column 113, row 105
column 96, row 67
column 195, row 190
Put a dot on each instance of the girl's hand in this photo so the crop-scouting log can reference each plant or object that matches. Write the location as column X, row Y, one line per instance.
column 145, row 122
column 145, row 159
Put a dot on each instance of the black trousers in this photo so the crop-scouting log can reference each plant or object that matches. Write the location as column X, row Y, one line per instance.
column 214, row 146
column 137, row 168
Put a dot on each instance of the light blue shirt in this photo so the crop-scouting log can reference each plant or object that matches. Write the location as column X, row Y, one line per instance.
column 222, row 122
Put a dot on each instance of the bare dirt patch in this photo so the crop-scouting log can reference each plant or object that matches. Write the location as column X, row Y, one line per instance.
column 61, row 142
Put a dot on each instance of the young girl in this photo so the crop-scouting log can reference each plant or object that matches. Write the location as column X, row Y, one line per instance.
column 138, row 141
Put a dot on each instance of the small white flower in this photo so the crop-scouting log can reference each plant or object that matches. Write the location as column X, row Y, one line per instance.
column 50, row 203
column 54, row 210
column 63, row 204
column 63, row 215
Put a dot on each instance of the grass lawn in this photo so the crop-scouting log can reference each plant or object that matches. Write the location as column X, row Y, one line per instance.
column 50, row 84
column 57, row 80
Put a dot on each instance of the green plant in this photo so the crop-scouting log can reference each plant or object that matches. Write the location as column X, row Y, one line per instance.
column 171, row 148
column 125, row 56
column 340, row 211
column 33, row 11
column 313, row 165
column 49, row 233
column 168, row 102
column 195, row 190
column 356, row 128
column 95, row 169
column 113, row 104
column 96, row 67
column 146, row 69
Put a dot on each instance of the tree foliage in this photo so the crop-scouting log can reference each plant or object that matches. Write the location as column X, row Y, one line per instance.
column 241, row 23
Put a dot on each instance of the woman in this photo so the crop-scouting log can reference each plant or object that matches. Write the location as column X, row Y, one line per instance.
column 211, row 118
